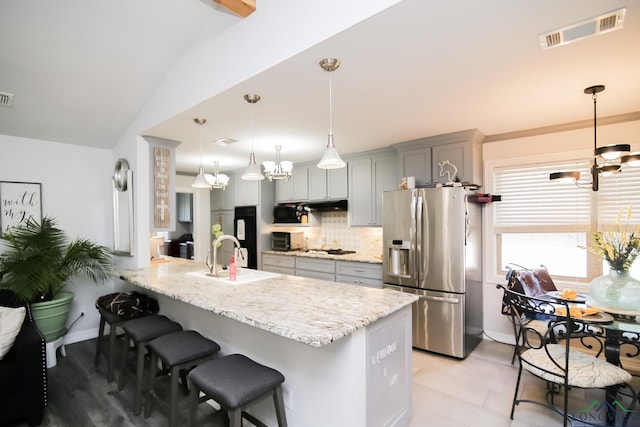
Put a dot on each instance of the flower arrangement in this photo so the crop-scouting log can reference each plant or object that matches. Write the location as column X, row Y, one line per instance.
column 618, row 247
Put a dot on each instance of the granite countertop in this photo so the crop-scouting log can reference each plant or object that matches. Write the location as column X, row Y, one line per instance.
column 366, row 258
column 310, row 311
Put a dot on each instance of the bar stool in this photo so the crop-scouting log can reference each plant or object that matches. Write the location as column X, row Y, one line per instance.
column 114, row 321
column 178, row 351
column 234, row 382
column 141, row 331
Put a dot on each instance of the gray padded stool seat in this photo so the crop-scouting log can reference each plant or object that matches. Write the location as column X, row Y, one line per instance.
column 141, row 331
column 235, row 381
column 114, row 321
column 178, row 351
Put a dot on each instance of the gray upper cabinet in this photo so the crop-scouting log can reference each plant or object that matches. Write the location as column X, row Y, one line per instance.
column 420, row 158
column 415, row 162
column 338, row 183
column 328, row 184
column 184, row 203
column 245, row 193
column 296, row 189
column 223, row 199
column 317, row 183
column 369, row 177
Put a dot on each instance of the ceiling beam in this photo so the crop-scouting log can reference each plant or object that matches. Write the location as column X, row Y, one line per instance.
column 242, row 8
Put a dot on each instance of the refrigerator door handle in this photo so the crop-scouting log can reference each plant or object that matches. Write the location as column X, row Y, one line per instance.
column 440, row 299
column 420, row 257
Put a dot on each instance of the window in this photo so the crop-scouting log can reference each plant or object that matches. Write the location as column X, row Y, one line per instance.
column 542, row 222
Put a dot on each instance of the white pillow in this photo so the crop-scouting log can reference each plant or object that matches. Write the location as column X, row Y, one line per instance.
column 10, row 323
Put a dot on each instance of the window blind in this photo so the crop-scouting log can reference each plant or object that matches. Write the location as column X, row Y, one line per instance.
column 531, row 202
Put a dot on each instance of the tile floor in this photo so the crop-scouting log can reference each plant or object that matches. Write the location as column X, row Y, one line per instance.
column 478, row 391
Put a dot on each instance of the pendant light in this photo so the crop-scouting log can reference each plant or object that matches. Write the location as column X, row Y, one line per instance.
column 608, row 153
column 331, row 159
column 201, row 179
column 278, row 169
column 253, row 172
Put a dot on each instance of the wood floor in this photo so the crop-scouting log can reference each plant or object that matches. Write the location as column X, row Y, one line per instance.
column 447, row 392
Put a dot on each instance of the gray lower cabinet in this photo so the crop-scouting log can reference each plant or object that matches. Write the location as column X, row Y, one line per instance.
column 282, row 264
column 359, row 273
column 315, row 268
column 347, row 272
column 296, row 189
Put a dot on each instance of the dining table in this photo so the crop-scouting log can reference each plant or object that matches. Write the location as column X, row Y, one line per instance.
column 620, row 330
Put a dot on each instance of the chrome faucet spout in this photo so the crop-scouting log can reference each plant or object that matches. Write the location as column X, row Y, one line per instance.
column 212, row 258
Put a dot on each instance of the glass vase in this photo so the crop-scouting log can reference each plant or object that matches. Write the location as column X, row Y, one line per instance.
column 616, row 290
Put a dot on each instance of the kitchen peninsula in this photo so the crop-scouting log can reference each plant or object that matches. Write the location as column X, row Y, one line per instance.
column 345, row 350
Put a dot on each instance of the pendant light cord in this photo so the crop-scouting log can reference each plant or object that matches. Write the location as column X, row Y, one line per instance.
column 330, row 106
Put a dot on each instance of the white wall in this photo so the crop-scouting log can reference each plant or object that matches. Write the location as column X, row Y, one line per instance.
column 578, row 143
column 76, row 191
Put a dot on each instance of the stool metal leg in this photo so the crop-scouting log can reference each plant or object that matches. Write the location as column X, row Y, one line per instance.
column 137, row 404
column 194, row 400
column 173, row 405
column 278, row 401
column 112, row 351
column 235, row 417
column 123, row 362
column 148, row 404
column 99, row 340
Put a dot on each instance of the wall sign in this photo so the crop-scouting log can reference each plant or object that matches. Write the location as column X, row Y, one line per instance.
column 19, row 202
column 161, row 184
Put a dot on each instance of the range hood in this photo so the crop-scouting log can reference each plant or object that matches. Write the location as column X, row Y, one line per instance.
column 329, row 206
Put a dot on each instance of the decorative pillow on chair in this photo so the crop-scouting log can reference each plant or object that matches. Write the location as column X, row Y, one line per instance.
column 10, row 323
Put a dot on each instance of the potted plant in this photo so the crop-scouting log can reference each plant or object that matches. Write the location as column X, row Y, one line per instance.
column 38, row 260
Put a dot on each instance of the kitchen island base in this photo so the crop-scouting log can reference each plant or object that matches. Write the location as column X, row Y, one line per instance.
column 361, row 380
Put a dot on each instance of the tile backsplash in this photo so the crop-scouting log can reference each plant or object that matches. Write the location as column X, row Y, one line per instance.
column 334, row 232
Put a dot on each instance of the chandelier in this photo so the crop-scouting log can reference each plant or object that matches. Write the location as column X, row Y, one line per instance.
column 217, row 180
column 607, row 160
column 278, row 169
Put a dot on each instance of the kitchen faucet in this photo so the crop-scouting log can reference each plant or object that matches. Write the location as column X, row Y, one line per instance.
column 213, row 265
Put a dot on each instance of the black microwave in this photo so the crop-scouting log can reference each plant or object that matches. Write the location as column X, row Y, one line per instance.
column 288, row 214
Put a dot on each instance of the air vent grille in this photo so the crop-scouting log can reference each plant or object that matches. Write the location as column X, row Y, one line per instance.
column 6, row 99
column 607, row 22
column 225, row 141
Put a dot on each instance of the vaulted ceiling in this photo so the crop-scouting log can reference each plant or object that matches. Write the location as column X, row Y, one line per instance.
column 81, row 71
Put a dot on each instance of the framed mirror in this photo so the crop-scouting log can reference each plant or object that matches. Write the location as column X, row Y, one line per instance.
column 123, row 208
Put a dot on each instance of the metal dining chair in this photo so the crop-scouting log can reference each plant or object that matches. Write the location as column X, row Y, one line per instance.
column 549, row 356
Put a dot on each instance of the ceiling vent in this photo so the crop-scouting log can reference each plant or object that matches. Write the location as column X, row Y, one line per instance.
column 6, row 99
column 225, row 141
column 610, row 21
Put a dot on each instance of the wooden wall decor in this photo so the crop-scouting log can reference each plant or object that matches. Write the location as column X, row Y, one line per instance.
column 161, row 187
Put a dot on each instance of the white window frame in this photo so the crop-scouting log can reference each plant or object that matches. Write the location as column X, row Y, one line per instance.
column 492, row 274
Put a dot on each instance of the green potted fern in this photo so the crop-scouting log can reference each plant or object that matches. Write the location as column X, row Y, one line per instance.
column 38, row 260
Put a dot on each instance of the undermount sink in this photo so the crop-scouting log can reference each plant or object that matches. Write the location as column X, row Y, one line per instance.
column 243, row 275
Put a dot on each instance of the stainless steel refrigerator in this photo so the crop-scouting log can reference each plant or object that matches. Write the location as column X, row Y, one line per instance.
column 432, row 243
